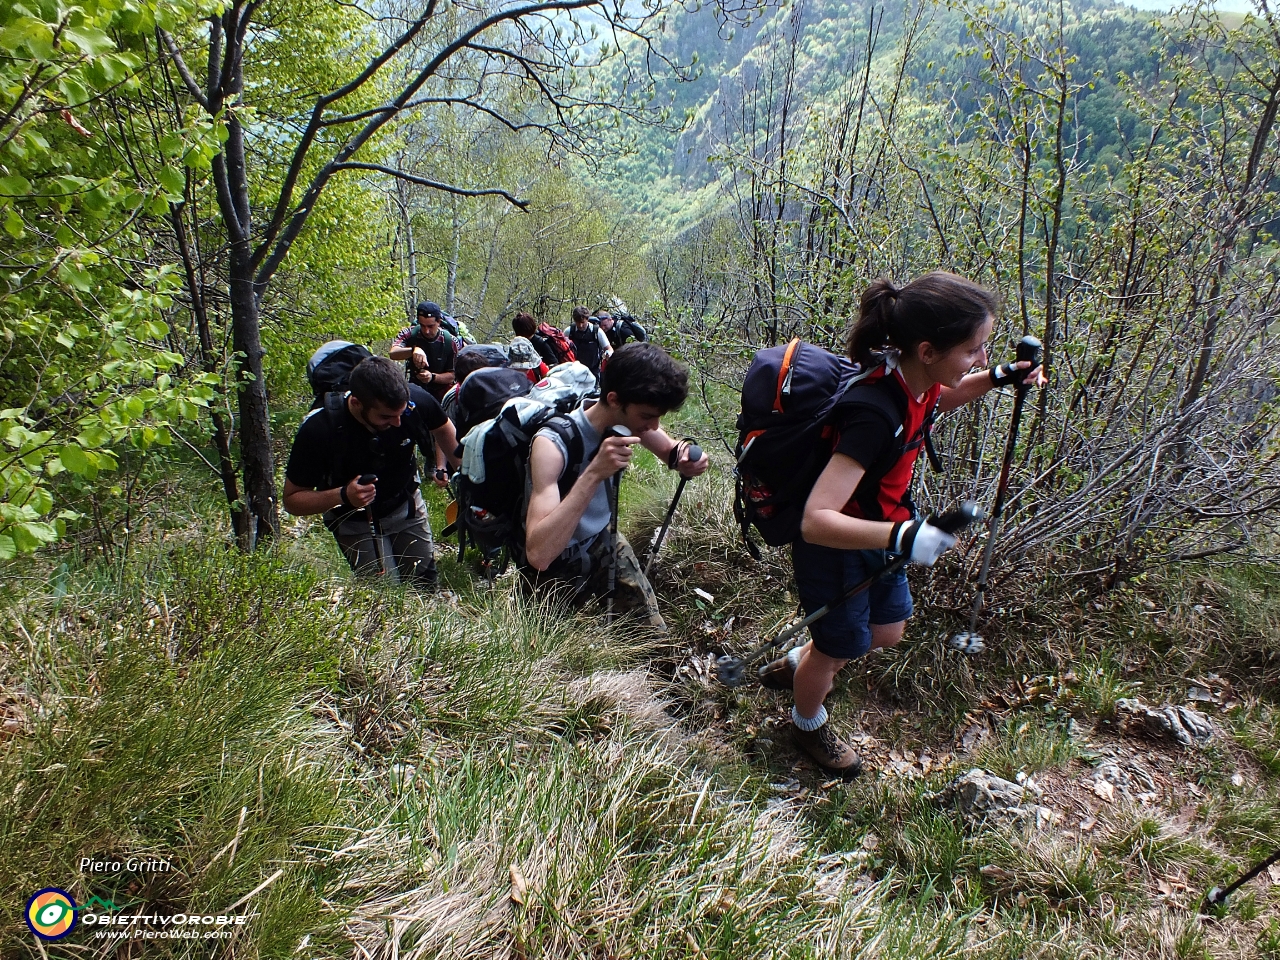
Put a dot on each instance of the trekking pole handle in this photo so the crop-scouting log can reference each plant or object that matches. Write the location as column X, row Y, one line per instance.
column 695, row 453
column 367, row 478
column 1030, row 349
column 958, row 518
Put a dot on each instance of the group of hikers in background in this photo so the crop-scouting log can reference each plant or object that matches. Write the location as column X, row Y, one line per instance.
column 532, row 437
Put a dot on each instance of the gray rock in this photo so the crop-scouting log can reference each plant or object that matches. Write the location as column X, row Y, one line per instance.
column 1179, row 724
column 980, row 796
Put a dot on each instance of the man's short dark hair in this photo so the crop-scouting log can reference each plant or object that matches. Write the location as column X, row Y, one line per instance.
column 378, row 380
column 645, row 373
column 465, row 364
column 580, row 313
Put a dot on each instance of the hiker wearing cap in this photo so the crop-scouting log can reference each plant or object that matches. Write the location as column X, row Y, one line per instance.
column 369, row 433
column 428, row 351
column 620, row 329
column 523, row 356
column 915, row 347
column 567, row 523
column 590, row 345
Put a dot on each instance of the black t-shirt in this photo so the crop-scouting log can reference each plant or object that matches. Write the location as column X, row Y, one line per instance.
column 330, row 449
column 867, row 436
column 864, row 435
column 624, row 330
column 543, row 346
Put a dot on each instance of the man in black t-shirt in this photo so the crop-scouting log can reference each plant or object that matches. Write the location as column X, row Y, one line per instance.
column 373, row 429
column 589, row 342
column 428, row 351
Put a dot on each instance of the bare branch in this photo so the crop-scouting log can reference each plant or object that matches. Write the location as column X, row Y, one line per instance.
column 433, row 184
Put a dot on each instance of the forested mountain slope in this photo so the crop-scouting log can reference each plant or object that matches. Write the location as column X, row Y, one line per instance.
column 806, row 53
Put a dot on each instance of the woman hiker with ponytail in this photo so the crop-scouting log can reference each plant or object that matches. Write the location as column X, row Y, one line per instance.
column 922, row 341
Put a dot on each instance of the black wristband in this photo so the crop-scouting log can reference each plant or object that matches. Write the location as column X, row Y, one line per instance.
column 1001, row 374
column 674, row 456
column 342, row 495
column 893, row 536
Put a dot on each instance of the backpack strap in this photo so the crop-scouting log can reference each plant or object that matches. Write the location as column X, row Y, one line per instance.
column 418, row 430
column 569, row 434
column 335, row 408
column 886, row 396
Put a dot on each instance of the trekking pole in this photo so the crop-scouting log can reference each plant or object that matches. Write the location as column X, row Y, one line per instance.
column 364, row 480
column 695, row 454
column 614, row 482
column 1217, row 897
column 970, row 641
column 731, row 671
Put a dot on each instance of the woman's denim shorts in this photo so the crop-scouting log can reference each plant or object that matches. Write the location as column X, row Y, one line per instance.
column 823, row 573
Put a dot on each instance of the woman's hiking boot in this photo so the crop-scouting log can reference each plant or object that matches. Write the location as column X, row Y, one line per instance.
column 780, row 674
column 828, row 750
column 777, row 674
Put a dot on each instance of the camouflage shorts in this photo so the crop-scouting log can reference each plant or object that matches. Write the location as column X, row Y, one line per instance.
column 633, row 596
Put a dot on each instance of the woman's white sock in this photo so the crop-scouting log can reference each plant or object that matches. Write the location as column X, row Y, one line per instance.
column 809, row 724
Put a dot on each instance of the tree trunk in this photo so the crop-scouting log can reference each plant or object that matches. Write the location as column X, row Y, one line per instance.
column 256, row 456
column 255, row 427
column 209, row 361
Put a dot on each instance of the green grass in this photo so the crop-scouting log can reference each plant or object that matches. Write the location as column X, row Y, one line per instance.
column 398, row 767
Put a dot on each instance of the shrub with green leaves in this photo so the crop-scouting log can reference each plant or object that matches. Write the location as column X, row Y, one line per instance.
column 87, row 365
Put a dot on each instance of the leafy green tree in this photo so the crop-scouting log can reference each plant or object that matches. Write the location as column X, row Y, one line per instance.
column 88, row 368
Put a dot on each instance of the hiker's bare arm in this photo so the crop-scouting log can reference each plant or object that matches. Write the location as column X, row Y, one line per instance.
column 446, row 444
column 823, row 522
column 977, row 383
column 443, row 380
column 302, row 502
column 401, row 352
column 550, row 521
column 659, row 444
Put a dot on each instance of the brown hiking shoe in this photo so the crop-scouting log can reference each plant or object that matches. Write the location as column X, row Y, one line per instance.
column 830, row 752
column 777, row 674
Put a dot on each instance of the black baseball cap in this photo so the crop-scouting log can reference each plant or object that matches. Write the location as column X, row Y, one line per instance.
column 429, row 309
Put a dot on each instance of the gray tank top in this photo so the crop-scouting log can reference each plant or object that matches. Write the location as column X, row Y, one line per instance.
column 596, row 517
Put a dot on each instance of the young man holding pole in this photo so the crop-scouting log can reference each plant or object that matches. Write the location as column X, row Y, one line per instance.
column 575, row 467
column 353, row 461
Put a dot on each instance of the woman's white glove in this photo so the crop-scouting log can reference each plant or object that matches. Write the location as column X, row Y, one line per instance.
column 920, row 541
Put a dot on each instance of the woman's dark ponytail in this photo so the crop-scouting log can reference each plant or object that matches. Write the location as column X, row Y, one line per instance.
column 939, row 308
column 871, row 333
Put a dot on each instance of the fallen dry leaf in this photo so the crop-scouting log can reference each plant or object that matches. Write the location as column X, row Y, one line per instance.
column 519, row 887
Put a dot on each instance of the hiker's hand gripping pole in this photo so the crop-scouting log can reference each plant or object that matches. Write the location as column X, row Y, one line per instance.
column 614, row 482
column 731, row 671
column 970, row 641
column 695, row 454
